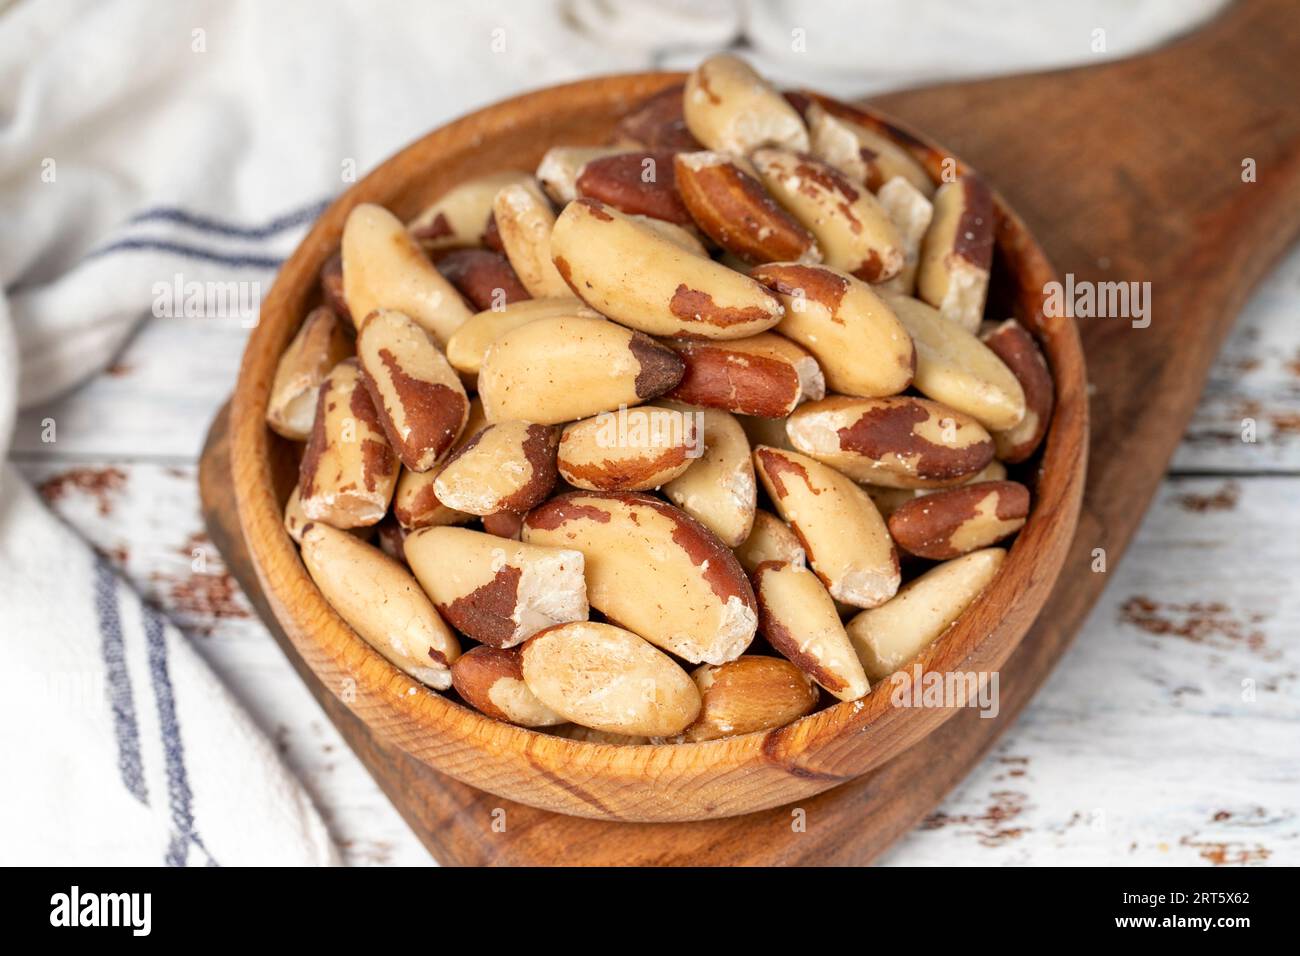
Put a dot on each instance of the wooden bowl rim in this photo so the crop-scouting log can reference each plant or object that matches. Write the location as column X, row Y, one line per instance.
column 430, row 726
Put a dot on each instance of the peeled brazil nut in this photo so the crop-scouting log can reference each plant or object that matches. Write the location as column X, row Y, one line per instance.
column 770, row 539
column 524, row 220
column 384, row 268
column 799, row 620
column 854, row 232
column 955, row 368
column 889, row 636
column 348, row 469
column 867, row 156
column 460, row 216
column 958, row 250
column 491, row 679
column 955, row 521
column 642, row 183
column 911, row 213
column 633, row 449
column 732, row 208
column 562, row 369
column 497, row 591
column 484, row 277
column 692, row 599
column 609, row 679
column 469, row 343
column 764, row 375
column 380, row 601
column 899, row 442
column 321, row 343
column 718, row 490
column 422, row 404
column 1017, row 349
column 730, row 108
column 631, row 273
column 558, row 171
column 750, row 694
column 858, row 342
column 845, row 538
column 658, row 123
column 508, row 466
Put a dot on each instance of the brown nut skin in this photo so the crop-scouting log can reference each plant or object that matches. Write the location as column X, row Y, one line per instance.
column 747, row 695
column 331, row 287
column 953, row 367
column 633, row 449
column 497, row 591
column 321, row 343
column 799, row 620
column 852, row 229
column 482, row 276
column 460, row 216
column 609, row 679
column 508, row 466
column 565, row 368
column 853, row 333
column 770, row 539
column 953, row 275
column 380, row 600
column 384, row 268
column 889, row 636
column 730, row 108
column 640, row 183
column 889, row 500
column 659, row 122
column 765, row 375
column 1013, row 344
column 638, row 277
column 505, row 524
column 733, row 209
column 348, row 469
column 719, row 489
column 711, row 616
column 955, row 521
column 842, row 533
column 416, row 504
column 899, row 442
column 491, row 680
column 421, row 402
column 469, row 344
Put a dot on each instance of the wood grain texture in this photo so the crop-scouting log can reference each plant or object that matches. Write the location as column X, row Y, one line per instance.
column 644, row 783
column 1201, row 245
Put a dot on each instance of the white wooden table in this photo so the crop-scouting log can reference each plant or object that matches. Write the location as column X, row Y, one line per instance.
column 1170, row 733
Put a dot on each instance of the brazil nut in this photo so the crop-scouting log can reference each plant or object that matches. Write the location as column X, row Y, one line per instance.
column 712, row 617
column 770, row 539
column 524, row 220
column 718, row 489
column 460, row 217
column 1013, row 344
column 730, row 108
column 634, row 275
column 321, row 343
column 491, row 680
column 469, row 343
column 955, row 521
column 497, row 591
column 562, row 369
column 750, row 694
column 642, row 182
column 765, row 374
column 953, row 275
column 507, row 466
column 633, row 449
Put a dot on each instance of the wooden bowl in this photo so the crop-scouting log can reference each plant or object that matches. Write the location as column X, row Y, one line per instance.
column 642, row 783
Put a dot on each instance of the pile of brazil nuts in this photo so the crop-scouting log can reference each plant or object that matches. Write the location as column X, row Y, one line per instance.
column 672, row 439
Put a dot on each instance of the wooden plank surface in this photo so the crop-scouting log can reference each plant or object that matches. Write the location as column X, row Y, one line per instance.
column 1140, row 749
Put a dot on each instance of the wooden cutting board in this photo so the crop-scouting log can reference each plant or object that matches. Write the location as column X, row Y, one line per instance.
column 1136, row 171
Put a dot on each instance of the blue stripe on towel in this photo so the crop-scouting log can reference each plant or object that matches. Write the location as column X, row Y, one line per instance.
column 120, row 700
column 234, row 260
column 179, row 795
column 208, row 224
